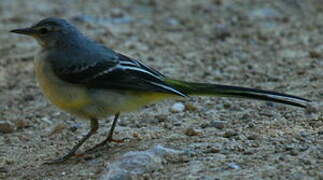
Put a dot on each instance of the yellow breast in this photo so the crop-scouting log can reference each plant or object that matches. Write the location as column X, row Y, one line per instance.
column 66, row 96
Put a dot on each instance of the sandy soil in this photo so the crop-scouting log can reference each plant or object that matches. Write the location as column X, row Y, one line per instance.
column 275, row 45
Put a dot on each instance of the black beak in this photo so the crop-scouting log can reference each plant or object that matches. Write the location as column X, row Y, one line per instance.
column 26, row 31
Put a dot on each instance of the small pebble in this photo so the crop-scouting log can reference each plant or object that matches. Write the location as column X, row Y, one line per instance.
column 136, row 135
column 20, row 124
column 233, row 166
column 253, row 137
column 226, row 105
column 161, row 117
column 172, row 21
column 116, row 13
column 57, row 129
column 177, row 123
column 192, row 132
column 6, row 127
column 222, row 31
column 314, row 54
column 191, row 107
column 293, row 152
column 217, row 124
column 214, row 150
column 248, row 152
column 230, row 133
column 313, row 108
column 3, row 170
column 177, row 107
column 45, row 119
column 263, row 13
column 204, row 125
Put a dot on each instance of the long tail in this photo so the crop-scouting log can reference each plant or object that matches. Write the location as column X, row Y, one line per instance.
column 205, row 89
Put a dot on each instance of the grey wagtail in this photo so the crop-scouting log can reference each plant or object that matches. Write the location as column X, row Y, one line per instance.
column 91, row 81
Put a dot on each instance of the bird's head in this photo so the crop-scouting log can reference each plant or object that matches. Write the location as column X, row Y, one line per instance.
column 50, row 31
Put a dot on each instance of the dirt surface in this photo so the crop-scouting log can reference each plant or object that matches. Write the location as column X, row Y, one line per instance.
column 275, row 45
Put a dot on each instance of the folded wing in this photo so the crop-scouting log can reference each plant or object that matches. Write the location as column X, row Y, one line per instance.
column 119, row 73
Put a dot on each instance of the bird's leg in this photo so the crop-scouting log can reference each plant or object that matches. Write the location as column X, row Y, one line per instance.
column 114, row 123
column 109, row 138
column 94, row 128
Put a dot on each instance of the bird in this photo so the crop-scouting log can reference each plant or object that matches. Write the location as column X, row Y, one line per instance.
column 91, row 81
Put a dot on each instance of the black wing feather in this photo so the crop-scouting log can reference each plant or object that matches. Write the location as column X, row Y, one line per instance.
column 121, row 73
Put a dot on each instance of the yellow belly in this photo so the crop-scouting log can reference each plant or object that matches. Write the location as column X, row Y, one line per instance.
column 65, row 97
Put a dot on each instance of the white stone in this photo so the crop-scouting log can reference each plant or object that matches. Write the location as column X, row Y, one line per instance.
column 177, row 107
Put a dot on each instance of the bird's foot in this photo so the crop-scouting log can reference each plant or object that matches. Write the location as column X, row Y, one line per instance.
column 105, row 142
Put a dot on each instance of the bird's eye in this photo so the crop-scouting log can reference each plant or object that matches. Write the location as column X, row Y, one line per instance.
column 43, row 30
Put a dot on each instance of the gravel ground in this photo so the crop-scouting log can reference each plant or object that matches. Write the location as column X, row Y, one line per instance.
column 275, row 45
